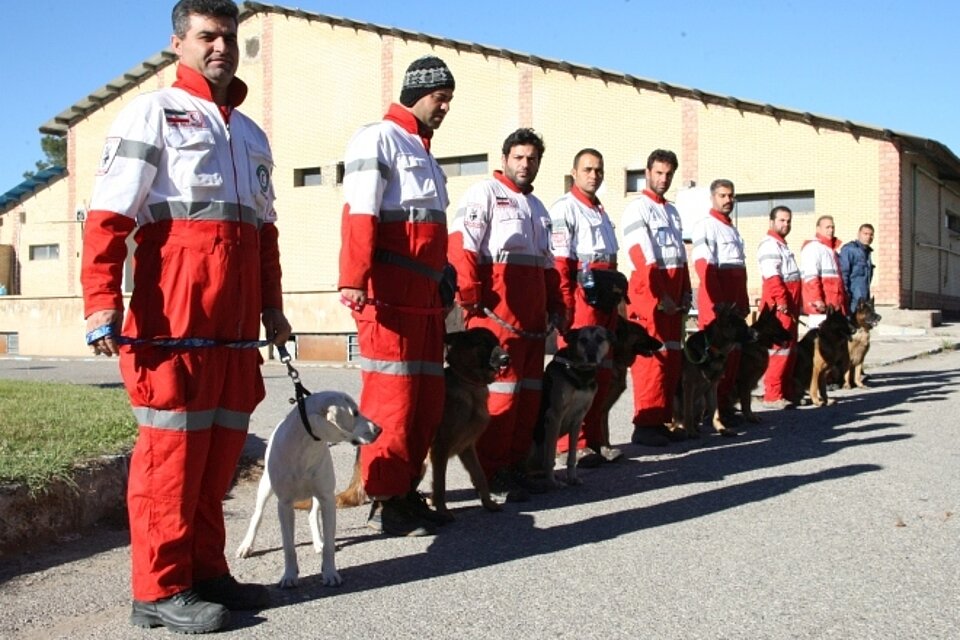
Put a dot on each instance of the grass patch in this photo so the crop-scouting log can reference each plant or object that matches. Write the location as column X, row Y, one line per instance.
column 47, row 429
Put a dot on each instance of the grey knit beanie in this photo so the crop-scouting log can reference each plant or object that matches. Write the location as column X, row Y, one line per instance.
column 423, row 76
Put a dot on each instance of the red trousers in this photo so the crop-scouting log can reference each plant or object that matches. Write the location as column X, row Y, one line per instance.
column 403, row 391
column 514, row 402
column 591, row 432
column 778, row 379
column 655, row 379
column 193, row 409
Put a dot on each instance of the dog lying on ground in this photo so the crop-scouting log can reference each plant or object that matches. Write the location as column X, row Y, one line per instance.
column 299, row 467
column 630, row 340
column 754, row 358
column 704, row 359
column 865, row 318
column 823, row 357
column 474, row 357
column 569, row 386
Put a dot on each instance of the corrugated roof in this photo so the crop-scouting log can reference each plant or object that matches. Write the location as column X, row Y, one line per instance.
column 30, row 186
column 948, row 162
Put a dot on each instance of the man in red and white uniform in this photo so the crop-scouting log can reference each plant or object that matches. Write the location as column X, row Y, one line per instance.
column 720, row 260
column 659, row 297
column 820, row 268
column 192, row 175
column 781, row 291
column 392, row 257
column 508, row 283
column 584, row 238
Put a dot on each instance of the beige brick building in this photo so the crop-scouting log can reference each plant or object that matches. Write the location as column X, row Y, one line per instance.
column 315, row 79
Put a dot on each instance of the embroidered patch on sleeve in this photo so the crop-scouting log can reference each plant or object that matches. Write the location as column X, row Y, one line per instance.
column 109, row 152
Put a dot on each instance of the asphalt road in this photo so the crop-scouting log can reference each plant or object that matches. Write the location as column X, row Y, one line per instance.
column 841, row 522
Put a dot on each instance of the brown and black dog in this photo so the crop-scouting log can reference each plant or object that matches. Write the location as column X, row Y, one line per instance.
column 704, row 359
column 569, row 386
column 630, row 340
column 823, row 356
column 754, row 358
column 865, row 318
column 474, row 357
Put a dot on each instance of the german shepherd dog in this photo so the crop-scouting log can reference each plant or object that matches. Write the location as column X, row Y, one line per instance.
column 864, row 319
column 569, row 386
column 754, row 358
column 630, row 340
column 704, row 359
column 474, row 357
column 823, row 357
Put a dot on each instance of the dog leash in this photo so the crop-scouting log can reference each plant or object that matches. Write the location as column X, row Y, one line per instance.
column 420, row 311
column 106, row 331
column 520, row 332
column 299, row 389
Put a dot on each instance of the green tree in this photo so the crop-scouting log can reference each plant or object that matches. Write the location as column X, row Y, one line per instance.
column 55, row 150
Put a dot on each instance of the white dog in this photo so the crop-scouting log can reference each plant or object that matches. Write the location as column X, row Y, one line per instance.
column 299, row 467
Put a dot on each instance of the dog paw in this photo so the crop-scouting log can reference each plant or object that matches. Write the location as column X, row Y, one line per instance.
column 289, row 581
column 573, row 481
column 729, row 433
column 331, row 579
column 445, row 514
column 490, row 505
column 754, row 418
column 243, row 551
column 831, row 402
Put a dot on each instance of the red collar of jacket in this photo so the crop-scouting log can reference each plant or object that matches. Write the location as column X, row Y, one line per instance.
column 776, row 236
column 593, row 203
column 510, row 184
column 405, row 119
column 833, row 243
column 722, row 217
column 193, row 82
column 654, row 197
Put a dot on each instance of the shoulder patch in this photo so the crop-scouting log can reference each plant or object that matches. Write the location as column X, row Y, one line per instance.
column 109, row 152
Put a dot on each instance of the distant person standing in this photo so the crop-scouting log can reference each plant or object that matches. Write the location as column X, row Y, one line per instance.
column 584, row 241
column 659, row 297
column 781, row 291
column 508, row 283
column 856, row 265
column 820, row 268
column 720, row 260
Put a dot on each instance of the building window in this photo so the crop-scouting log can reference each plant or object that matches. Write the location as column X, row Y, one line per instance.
column 44, row 252
column 755, row 205
column 307, row 177
column 340, row 169
column 475, row 165
column 953, row 221
column 636, row 180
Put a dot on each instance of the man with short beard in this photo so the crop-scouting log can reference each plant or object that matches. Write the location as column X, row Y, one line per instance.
column 781, row 291
column 392, row 258
column 659, row 297
column 719, row 258
column 584, row 241
column 508, row 283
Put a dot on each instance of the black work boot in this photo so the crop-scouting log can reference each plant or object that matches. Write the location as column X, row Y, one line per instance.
column 233, row 595
column 182, row 612
column 396, row 516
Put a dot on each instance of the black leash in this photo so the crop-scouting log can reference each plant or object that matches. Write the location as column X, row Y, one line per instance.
column 301, row 391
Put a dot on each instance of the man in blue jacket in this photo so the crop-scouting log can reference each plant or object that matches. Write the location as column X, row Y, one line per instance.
column 857, row 267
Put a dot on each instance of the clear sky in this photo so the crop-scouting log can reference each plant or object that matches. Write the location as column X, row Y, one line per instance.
column 885, row 63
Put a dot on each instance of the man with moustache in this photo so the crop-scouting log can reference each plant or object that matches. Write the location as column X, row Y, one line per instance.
column 781, row 291
column 719, row 258
column 659, row 297
column 584, row 241
column 508, row 283
column 392, row 260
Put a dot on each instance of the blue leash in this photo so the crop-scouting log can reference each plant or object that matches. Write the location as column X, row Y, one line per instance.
column 106, row 330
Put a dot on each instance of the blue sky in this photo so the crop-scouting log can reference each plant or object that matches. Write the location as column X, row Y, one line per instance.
column 883, row 63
